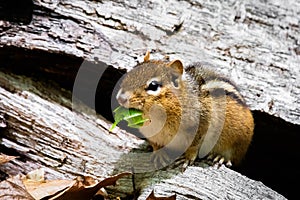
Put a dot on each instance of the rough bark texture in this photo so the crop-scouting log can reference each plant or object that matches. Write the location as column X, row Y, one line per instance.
column 213, row 184
column 43, row 128
column 256, row 43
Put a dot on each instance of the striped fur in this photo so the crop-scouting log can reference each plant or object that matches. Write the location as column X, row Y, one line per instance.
column 219, row 87
column 214, row 83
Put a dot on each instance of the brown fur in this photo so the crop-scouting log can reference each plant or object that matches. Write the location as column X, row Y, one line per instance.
column 183, row 107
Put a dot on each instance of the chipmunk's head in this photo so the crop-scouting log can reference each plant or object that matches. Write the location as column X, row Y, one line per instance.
column 151, row 82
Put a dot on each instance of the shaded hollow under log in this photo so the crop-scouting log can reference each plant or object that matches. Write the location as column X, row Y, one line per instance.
column 268, row 160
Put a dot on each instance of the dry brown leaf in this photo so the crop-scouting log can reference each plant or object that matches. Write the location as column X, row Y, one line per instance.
column 36, row 185
column 13, row 189
column 78, row 189
column 42, row 189
column 153, row 197
column 5, row 158
column 102, row 192
column 86, row 187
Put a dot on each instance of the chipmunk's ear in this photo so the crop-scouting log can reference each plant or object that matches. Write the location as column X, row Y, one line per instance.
column 176, row 65
column 147, row 56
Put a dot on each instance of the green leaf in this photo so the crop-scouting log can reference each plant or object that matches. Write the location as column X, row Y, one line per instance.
column 133, row 116
column 113, row 126
column 137, row 124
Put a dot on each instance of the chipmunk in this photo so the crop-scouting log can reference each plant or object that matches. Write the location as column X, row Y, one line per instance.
column 192, row 110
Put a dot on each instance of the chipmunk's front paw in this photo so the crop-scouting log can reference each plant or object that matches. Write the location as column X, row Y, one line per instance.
column 219, row 160
column 160, row 159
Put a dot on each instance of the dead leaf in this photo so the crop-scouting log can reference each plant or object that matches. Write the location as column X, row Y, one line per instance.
column 78, row 189
column 42, row 189
column 13, row 189
column 83, row 189
column 153, row 197
column 5, row 158
column 102, row 193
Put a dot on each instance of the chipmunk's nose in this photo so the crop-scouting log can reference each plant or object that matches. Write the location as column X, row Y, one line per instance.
column 123, row 98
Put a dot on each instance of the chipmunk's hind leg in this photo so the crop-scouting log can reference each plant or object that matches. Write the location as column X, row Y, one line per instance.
column 190, row 157
column 162, row 158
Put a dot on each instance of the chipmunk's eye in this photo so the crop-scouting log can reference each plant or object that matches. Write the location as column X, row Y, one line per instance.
column 153, row 86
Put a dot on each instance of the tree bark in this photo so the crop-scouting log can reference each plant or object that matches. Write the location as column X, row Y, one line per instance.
column 43, row 128
column 254, row 43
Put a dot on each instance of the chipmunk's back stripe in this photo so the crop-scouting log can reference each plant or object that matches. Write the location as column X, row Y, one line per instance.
column 218, row 92
column 218, row 88
column 207, row 75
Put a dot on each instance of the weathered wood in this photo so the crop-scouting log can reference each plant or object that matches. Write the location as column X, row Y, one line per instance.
column 212, row 183
column 54, row 136
column 68, row 143
column 256, row 43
